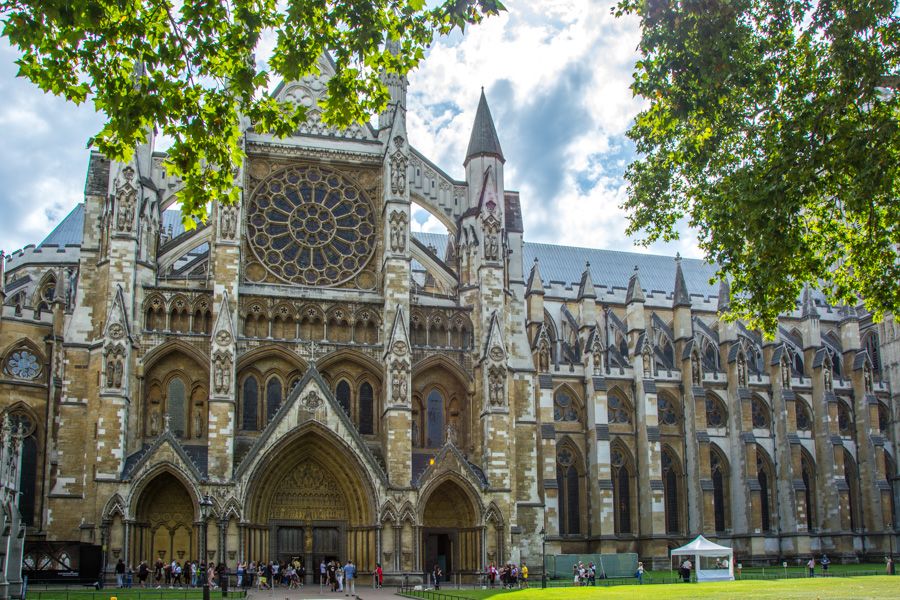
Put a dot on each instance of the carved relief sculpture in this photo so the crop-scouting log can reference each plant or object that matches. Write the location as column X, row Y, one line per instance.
column 867, row 378
column 827, row 375
column 222, row 372
column 742, row 370
column 227, row 222
column 115, row 366
column 399, row 385
column 126, row 200
column 497, row 386
column 648, row 362
column 785, row 374
column 198, row 424
column 398, row 168
column 398, row 231
column 696, row 371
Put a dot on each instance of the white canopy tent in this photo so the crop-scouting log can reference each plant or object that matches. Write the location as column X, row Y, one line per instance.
column 702, row 552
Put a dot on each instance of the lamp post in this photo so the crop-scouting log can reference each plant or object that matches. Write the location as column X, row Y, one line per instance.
column 543, row 558
column 206, row 505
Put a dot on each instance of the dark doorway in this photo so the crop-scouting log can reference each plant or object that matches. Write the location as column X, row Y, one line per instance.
column 439, row 549
column 290, row 543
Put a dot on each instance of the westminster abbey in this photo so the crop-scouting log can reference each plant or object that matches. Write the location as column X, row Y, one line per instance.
column 336, row 385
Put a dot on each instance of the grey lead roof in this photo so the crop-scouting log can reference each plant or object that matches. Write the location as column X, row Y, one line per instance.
column 70, row 230
column 484, row 138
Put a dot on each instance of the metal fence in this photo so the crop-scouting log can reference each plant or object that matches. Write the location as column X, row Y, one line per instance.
column 428, row 594
column 71, row 592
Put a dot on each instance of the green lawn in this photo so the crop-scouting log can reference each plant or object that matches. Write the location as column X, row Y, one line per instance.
column 849, row 588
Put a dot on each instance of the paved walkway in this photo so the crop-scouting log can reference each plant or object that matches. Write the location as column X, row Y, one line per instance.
column 313, row 592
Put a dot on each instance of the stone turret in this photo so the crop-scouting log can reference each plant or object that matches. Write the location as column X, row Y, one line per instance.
column 681, row 305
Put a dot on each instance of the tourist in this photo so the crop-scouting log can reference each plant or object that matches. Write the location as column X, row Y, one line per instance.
column 379, row 576
column 240, row 574
column 811, row 565
column 639, row 574
column 158, row 572
column 524, row 575
column 824, row 561
column 332, row 576
column 322, row 572
column 339, row 573
column 685, row 570
column 350, row 576
column 143, row 573
column 120, row 573
column 889, row 565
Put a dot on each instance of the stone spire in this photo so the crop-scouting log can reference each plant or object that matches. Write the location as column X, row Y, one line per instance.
column 535, row 285
column 586, row 287
column 808, row 305
column 484, row 140
column 724, row 296
column 680, row 296
column 635, row 291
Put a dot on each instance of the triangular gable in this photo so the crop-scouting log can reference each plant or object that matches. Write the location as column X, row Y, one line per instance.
column 309, row 91
column 494, row 340
column 398, row 343
column 310, row 400
column 166, row 448
column 450, row 459
column 224, row 321
column 117, row 317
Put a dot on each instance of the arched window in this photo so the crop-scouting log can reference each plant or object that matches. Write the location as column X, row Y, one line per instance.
column 434, row 415
column 176, row 407
column 28, row 472
column 804, row 420
column 670, row 473
column 719, row 469
column 710, row 356
column 759, row 413
column 273, row 397
column 366, row 408
column 568, row 485
column 851, row 479
column 844, row 419
column 621, row 477
column 668, row 414
column 618, row 410
column 564, row 408
column 883, row 418
column 765, row 479
column 342, row 395
column 716, row 415
column 808, row 474
column 874, row 350
column 250, row 404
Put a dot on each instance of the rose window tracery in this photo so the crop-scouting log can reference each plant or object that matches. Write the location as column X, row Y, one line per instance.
column 311, row 226
column 23, row 364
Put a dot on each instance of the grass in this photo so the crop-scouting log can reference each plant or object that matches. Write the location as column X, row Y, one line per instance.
column 838, row 588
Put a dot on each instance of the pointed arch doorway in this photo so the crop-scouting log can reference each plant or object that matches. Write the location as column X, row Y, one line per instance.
column 311, row 500
column 451, row 536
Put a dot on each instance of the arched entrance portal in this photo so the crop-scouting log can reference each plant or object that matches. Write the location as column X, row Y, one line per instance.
column 311, row 500
column 451, row 537
column 164, row 525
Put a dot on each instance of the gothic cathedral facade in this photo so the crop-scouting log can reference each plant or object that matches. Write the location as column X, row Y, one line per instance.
column 340, row 386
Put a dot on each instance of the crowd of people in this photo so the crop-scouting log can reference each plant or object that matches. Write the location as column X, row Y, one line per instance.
column 509, row 575
column 174, row 574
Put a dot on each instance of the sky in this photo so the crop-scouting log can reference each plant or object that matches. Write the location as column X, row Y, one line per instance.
column 556, row 74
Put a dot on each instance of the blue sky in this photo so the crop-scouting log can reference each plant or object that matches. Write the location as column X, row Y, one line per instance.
column 556, row 74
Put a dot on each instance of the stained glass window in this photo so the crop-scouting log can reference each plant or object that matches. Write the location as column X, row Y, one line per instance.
column 342, row 395
column 564, row 407
column 434, row 427
column 760, row 414
column 666, row 411
column 175, row 407
column 718, row 468
column 567, row 482
column 670, row 491
column 762, row 476
column 843, row 419
column 23, row 364
column 618, row 410
column 622, row 492
column 310, row 226
column 715, row 413
column 273, row 397
column 804, row 421
column 250, row 403
column 366, row 408
column 28, row 480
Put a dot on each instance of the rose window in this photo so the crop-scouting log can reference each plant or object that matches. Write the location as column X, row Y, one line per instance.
column 311, row 226
column 23, row 364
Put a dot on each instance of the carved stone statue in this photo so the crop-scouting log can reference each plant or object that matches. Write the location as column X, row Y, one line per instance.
column 154, row 421
column 785, row 374
column 398, row 168
column 198, row 423
column 867, row 378
column 399, row 385
column 696, row 371
column 117, row 380
column 222, row 372
column 544, row 358
column 126, row 200
column 491, row 247
column 228, row 222
column 827, row 375
column 742, row 370
column 398, row 231
column 648, row 362
column 497, row 387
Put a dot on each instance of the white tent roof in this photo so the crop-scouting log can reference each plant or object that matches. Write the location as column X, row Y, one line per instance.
column 702, row 547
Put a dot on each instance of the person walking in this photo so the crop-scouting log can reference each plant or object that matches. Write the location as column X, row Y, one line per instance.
column 640, row 573
column 811, row 566
column 824, row 561
column 350, row 577
column 120, row 573
column 524, row 573
column 379, row 575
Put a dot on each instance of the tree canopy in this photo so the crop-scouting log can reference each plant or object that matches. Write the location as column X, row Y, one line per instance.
column 188, row 68
column 772, row 128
